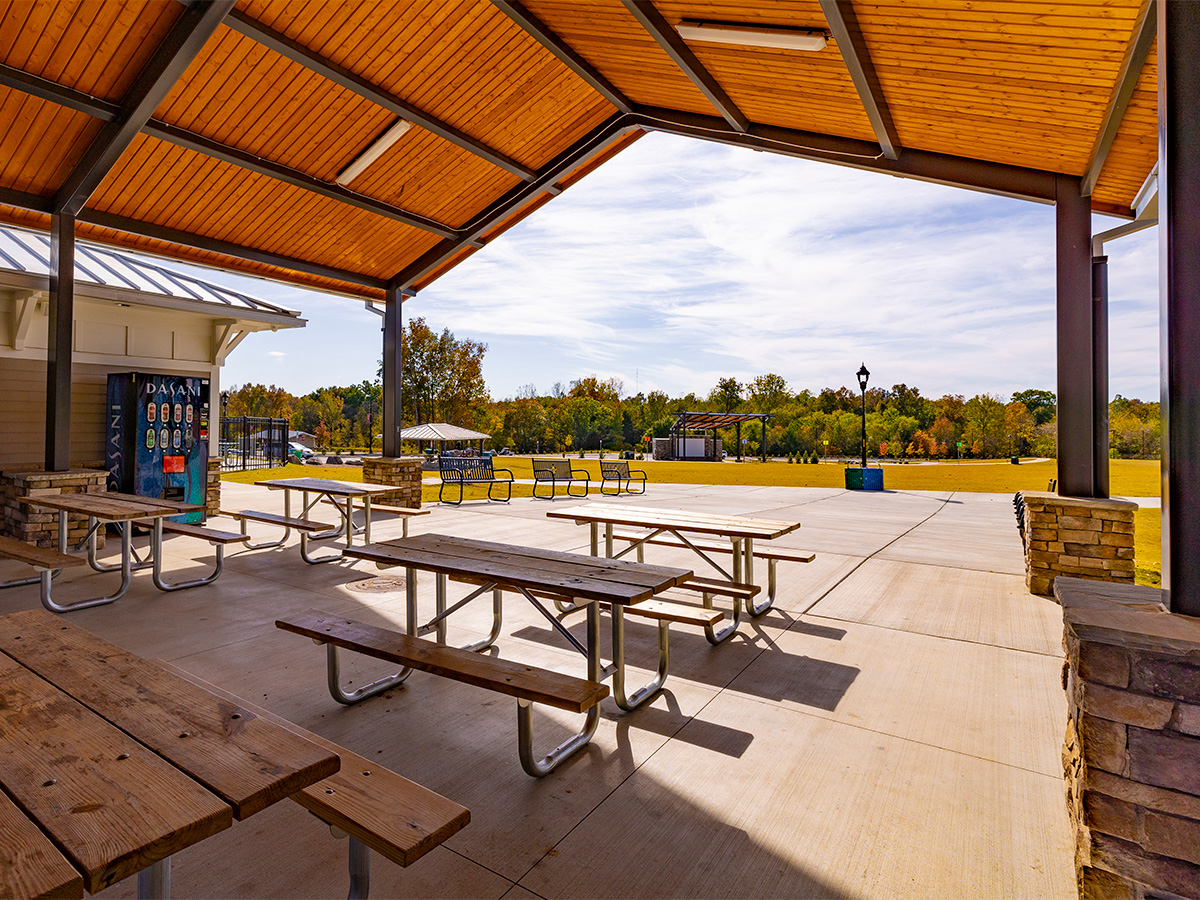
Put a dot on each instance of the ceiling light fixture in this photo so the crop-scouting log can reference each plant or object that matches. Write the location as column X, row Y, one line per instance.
column 373, row 152
column 752, row 35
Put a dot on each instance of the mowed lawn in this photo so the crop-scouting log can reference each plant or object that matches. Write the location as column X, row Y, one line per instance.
column 1128, row 478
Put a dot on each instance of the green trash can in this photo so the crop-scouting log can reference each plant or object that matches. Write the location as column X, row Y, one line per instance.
column 854, row 478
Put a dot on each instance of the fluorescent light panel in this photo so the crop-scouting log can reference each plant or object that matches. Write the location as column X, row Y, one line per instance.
column 752, row 35
column 373, row 152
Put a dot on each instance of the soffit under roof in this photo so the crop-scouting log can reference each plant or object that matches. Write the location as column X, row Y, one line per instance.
column 515, row 101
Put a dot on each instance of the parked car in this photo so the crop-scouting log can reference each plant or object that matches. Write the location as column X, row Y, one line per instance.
column 299, row 451
column 506, row 452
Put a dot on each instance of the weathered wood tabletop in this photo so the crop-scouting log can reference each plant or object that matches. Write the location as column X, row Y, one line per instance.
column 675, row 520
column 156, row 762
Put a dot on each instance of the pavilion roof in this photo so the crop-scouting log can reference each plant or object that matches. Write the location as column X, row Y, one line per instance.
column 440, row 431
column 706, row 421
column 215, row 132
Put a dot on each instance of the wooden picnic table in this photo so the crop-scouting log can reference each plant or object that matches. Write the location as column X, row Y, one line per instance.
column 122, row 763
column 342, row 495
column 741, row 531
column 111, row 508
column 535, row 573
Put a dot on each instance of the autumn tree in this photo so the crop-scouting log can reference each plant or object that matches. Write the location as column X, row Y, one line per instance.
column 727, row 394
column 441, row 376
column 768, row 392
column 258, row 400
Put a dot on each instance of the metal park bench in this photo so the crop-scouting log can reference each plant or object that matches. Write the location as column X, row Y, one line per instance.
column 619, row 471
column 472, row 470
column 556, row 472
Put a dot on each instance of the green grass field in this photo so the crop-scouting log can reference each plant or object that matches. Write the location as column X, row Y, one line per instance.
column 1128, row 478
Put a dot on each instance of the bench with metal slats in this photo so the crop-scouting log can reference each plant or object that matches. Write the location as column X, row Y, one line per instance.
column 619, row 471
column 463, row 470
column 376, row 808
column 556, row 472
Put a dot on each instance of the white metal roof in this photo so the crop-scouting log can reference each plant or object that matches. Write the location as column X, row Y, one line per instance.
column 440, row 431
column 27, row 253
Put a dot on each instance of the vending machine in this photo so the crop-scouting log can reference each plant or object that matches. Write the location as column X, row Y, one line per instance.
column 158, row 437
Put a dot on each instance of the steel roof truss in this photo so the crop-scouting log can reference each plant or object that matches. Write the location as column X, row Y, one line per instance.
column 567, row 55
column 303, row 56
column 1144, row 31
column 58, row 93
column 675, row 47
column 839, row 14
column 154, row 82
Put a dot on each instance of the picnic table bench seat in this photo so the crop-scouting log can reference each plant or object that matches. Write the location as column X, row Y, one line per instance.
column 44, row 560
column 375, row 807
column 30, row 864
column 556, row 472
column 404, row 512
column 618, row 470
column 214, row 536
column 528, row 684
column 462, row 470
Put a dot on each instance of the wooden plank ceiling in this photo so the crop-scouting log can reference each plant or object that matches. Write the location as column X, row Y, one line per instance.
column 514, row 101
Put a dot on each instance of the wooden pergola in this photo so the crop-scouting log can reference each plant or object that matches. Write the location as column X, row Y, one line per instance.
column 367, row 148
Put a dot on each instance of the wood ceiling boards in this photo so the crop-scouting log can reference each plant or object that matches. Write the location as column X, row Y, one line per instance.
column 511, row 100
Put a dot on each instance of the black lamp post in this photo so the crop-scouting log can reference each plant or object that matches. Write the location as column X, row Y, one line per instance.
column 863, row 375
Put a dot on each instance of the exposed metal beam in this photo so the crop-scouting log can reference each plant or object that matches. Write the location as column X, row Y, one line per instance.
column 302, row 55
column 183, row 138
column 675, row 47
column 181, row 45
column 1075, row 341
column 59, row 343
column 843, row 23
column 566, row 54
column 393, row 367
column 225, row 248
column 992, row 178
column 497, row 212
column 1179, row 314
column 24, row 200
column 1144, row 31
column 58, row 93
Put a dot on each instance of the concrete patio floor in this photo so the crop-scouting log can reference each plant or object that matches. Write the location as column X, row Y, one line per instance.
column 891, row 728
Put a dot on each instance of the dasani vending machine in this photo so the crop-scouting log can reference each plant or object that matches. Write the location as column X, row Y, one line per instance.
column 158, row 437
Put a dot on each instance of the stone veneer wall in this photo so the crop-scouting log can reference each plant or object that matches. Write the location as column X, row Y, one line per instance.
column 402, row 471
column 212, row 487
column 1077, row 537
column 40, row 526
column 1132, row 751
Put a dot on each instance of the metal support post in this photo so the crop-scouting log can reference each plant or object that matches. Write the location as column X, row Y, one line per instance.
column 1100, row 376
column 58, row 346
column 1073, row 216
column 393, row 357
column 1179, row 318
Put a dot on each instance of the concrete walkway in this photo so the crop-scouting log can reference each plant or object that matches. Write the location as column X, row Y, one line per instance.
column 891, row 729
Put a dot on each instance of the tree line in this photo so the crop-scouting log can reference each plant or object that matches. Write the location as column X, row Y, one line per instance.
column 442, row 381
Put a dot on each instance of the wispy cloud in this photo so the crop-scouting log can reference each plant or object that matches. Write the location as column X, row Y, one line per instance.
column 680, row 262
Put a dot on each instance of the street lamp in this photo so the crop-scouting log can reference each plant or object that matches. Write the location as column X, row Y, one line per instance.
column 863, row 375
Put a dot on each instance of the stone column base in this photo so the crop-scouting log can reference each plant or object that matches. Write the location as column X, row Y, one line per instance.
column 212, row 487
column 40, row 526
column 1079, row 537
column 402, row 471
column 1132, row 751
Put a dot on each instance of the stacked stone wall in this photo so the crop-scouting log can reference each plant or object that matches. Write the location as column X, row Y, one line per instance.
column 40, row 526
column 1076, row 537
column 402, row 471
column 1132, row 750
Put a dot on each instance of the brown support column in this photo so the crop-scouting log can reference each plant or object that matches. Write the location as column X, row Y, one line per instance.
column 58, row 347
column 1179, row 317
column 1100, row 376
column 393, row 327
column 1073, row 217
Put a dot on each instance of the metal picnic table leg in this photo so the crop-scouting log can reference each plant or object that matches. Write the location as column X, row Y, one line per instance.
column 126, row 571
column 347, row 524
column 646, row 691
column 770, row 601
column 154, row 881
column 340, row 694
column 594, row 529
column 156, row 542
column 551, row 761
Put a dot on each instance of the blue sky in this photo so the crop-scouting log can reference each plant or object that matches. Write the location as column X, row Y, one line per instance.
column 680, row 262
